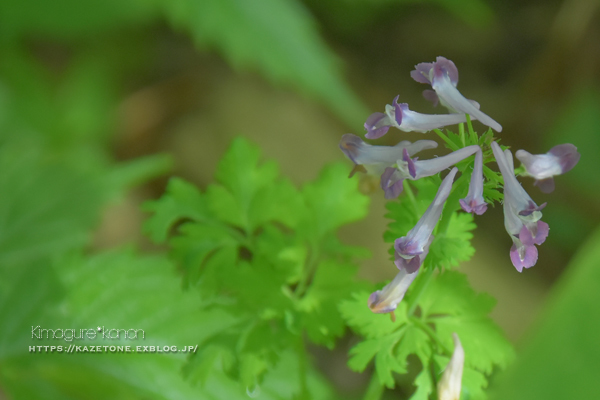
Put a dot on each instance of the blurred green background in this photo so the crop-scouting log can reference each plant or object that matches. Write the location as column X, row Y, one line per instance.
column 97, row 97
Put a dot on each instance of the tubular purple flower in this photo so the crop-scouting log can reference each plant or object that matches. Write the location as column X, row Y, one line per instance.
column 543, row 167
column 377, row 125
column 443, row 77
column 377, row 158
column 474, row 202
column 387, row 299
column 401, row 117
column 413, row 169
column 411, row 250
column 521, row 215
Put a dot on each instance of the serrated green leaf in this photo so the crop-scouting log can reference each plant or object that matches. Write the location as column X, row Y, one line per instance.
column 333, row 200
column 424, row 385
column 182, row 200
column 386, row 363
column 414, row 341
column 381, row 349
column 332, row 283
column 450, row 248
column 473, row 385
column 251, row 368
column 453, row 306
column 197, row 243
column 252, row 193
column 363, row 321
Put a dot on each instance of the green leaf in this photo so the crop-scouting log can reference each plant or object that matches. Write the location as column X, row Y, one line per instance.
column 414, row 341
column 561, row 355
column 287, row 49
column 424, row 385
column 451, row 305
column 368, row 324
column 99, row 292
column 333, row 200
column 450, row 248
column 332, row 283
column 251, row 194
column 382, row 350
column 182, row 200
column 197, row 243
column 389, row 343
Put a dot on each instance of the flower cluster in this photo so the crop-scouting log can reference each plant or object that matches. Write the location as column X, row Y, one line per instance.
column 395, row 164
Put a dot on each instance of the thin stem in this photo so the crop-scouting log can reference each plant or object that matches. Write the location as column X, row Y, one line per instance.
column 302, row 365
column 422, row 285
column 374, row 390
column 309, row 270
column 449, row 142
column 427, row 329
column 461, row 131
column 410, row 195
column 472, row 134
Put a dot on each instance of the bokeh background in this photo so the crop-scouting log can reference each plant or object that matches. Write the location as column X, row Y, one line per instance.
column 99, row 84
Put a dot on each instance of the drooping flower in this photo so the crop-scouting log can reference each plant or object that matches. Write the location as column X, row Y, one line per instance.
column 543, row 167
column 401, row 117
column 377, row 158
column 442, row 75
column 410, row 251
column 387, row 299
column 522, row 216
column 450, row 385
column 474, row 202
column 413, row 169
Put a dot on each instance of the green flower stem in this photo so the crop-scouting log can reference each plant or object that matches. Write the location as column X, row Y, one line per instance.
column 431, row 333
column 410, row 195
column 302, row 366
column 309, row 270
column 472, row 134
column 375, row 389
column 461, row 131
column 423, row 282
column 445, row 138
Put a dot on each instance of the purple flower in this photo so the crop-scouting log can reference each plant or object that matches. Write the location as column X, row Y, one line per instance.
column 401, row 117
column 474, row 202
column 413, row 169
column 543, row 167
column 377, row 158
column 522, row 217
column 442, row 75
column 411, row 250
column 387, row 299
